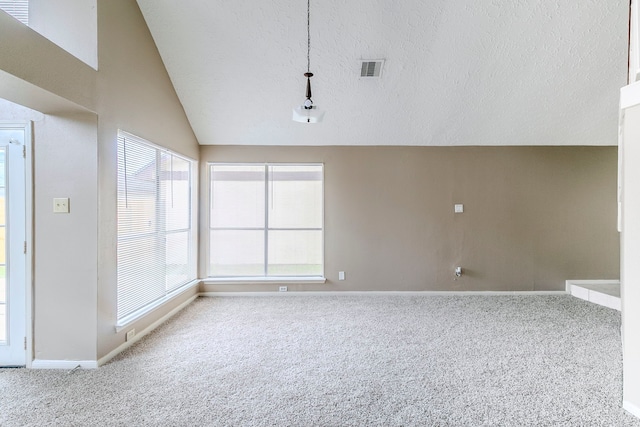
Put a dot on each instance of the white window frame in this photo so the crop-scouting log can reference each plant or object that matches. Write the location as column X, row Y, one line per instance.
column 193, row 234
column 264, row 278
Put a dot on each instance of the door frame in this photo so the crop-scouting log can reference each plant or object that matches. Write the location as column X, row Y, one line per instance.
column 27, row 125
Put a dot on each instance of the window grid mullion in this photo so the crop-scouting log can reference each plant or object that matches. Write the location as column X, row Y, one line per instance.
column 160, row 207
column 267, row 171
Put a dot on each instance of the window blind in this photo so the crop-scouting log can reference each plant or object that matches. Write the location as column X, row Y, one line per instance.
column 155, row 249
column 19, row 9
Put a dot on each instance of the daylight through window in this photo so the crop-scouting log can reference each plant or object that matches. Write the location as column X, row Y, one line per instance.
column 266, row 220
column 156, row 240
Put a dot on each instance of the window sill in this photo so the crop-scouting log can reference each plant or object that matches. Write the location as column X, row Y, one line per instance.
column 137, row 315
column 259, row 280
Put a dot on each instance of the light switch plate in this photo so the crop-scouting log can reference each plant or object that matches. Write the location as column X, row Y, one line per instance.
column 61, row 205
column 458, row 208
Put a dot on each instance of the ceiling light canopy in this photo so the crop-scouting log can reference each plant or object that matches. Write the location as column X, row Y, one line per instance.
column 307, row 112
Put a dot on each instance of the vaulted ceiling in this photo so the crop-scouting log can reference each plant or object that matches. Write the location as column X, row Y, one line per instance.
column 491, row 72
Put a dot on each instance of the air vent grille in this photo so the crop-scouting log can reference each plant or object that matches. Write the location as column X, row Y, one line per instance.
column 371, row 68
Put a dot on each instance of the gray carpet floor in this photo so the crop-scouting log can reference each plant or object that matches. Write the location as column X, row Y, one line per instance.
column 378, row 360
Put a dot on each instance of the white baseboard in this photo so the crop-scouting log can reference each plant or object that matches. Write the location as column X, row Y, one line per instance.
column 348, row 293
column 631, row 408
column 63, row 364
column 145, row 331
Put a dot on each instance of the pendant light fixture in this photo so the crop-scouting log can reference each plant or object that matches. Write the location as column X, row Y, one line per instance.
column 307, row 112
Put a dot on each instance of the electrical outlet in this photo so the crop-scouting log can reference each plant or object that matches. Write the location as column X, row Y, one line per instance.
column 61, row 205
column 130, row 335
column 341, row 275
column 283, row 289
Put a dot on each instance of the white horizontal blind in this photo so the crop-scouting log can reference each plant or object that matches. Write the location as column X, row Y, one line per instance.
column 266, row 220
column 19, row 9
column 155, row 234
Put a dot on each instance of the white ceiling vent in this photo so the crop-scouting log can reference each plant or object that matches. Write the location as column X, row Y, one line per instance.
column 371, row 68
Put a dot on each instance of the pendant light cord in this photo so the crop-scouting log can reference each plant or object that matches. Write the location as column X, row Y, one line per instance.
column 308, row 38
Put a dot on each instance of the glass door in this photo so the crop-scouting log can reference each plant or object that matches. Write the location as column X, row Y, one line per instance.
column 12, row 245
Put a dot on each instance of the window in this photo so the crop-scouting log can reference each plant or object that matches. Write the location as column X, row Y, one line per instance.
column 266, row 220
column 156, row 240
column 19, row 9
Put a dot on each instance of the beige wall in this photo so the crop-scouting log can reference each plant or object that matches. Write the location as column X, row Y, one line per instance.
column 65, row 161
column 65, row 246
column 135, row 95
column 65, row 250
column 75, row 156
column 35, row 63
column 71, row 24
column 533, row 216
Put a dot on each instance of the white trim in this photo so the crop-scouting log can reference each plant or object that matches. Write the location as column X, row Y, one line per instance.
column 351, row 293
column 28, row 144
column 257, row 280
column 579, row 289
column 266, row 228
column 27, row 125
column 631, row 408
column 568, row 283
column 63, row 364
column 145, row 331
column 630, row 95
column 137, row 315
column 194, row 223
column 94, row 364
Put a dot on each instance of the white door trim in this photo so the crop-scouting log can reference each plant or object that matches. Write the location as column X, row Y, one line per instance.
column 28, row 147
column 28, row 278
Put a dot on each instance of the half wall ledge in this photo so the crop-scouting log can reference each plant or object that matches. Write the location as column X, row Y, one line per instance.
column 601, row 292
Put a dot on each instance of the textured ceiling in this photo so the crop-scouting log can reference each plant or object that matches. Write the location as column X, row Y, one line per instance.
column 491, row 72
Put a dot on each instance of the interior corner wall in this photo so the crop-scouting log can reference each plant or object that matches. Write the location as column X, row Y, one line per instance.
column 64, row 245
column 30, row 57
column 65, row 262
column 533, row 216
column 136, row 95
column 75, row 273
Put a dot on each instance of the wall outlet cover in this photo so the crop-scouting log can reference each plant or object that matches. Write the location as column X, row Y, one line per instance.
column 61, row 205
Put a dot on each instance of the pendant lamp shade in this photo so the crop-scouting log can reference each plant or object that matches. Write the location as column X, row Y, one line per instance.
column 307, row 115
